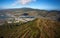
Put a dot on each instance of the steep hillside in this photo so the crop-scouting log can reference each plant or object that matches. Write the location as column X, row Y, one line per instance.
column 38, row 28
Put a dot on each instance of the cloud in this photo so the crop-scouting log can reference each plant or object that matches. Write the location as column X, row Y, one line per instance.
column 14, row 4
column 23, row 2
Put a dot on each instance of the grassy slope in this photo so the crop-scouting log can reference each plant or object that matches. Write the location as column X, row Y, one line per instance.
column 38, row 28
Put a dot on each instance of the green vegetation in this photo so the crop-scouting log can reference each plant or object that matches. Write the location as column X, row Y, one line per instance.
column 38, row 28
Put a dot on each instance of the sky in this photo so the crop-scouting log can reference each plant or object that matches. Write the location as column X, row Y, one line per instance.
column 36, row 4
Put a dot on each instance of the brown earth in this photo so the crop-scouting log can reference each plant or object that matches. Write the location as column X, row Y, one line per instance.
column 38, row 28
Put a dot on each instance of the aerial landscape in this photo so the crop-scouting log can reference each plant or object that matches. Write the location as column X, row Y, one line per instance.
column 29, row 18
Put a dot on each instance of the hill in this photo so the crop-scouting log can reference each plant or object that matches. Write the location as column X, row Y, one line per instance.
column 38, row 28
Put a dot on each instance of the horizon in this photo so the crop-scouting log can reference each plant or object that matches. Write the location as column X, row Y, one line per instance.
column 31, row 8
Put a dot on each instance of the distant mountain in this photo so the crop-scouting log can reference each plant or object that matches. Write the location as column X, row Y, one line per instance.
column 33, row 12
